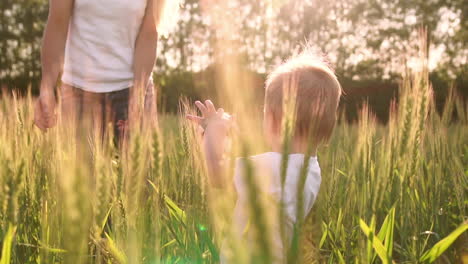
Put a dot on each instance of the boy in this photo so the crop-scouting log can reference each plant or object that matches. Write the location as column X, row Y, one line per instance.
column 316, row 90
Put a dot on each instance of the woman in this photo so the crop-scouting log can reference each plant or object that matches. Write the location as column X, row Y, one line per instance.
column 106, row 51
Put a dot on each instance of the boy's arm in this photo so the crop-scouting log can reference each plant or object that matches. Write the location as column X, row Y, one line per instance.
column 214, row 142
column 52, row 55
column 216, row 125
column 144, row 59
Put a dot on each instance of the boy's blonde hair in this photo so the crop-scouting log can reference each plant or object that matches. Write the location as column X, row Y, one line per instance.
column 317, row 92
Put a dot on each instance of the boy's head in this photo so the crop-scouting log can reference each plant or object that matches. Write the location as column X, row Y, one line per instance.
column 317, row 93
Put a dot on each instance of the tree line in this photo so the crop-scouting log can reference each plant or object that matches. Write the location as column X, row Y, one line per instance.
column 367, row 41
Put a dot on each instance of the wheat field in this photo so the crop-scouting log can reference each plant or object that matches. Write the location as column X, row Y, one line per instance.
column 391, row 193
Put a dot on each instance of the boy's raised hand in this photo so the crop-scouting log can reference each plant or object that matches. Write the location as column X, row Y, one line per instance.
column 211, row 117
column 216, row 125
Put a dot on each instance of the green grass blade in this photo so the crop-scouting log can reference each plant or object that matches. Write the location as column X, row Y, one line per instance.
column 438, row 249
column 104, row 221
column 370, row 254
column 386, row 231
column 376, row 242
column 389, row 233
column 340, row 257
column 173, row 241
column 384, row 228
column 324, row 235
column 7, row 245
column 175, row 210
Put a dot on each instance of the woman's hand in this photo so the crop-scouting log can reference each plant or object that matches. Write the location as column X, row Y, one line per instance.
column 52, row 54
column 45, row 115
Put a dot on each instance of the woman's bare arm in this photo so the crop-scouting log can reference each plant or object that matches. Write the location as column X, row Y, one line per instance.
column 53, row 44
column 52, row 54
column 144, row 58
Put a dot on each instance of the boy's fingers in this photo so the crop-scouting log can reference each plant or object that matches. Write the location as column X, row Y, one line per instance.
column 221, row 112
column 195, row 119
column 210, row 106
column 201, row 107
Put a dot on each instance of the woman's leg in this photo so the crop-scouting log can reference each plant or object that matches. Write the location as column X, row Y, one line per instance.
column 93, row 114
column 70, row 106
column 86, row 111
column 82, row 117
column 118, row 114
column 119, row 102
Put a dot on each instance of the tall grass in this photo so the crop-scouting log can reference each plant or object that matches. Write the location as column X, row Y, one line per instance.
column 392, row 193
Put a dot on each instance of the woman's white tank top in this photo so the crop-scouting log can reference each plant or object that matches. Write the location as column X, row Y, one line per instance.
column 101, row 44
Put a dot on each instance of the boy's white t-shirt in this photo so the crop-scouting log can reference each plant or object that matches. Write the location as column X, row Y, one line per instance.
column 267, row 174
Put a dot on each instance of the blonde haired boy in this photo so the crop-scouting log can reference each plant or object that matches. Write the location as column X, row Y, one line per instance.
column 316, row 93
